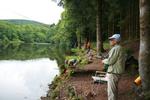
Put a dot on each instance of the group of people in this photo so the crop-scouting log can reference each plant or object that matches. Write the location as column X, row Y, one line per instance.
column 72, row 62
column 89, row 52
column 115, row 65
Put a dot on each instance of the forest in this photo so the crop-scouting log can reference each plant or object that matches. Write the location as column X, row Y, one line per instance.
column 23, row 31
column 96, row 20
column 81, row 22
column 91, row 20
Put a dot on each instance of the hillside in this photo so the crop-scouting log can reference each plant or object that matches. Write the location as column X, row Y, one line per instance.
column 26, row 31
column 24, row 22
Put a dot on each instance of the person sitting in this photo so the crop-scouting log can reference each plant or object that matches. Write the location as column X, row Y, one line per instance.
column 90, row 56
column 71, row 62
column 88, row 47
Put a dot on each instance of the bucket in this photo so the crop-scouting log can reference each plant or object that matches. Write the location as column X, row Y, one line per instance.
column 137, row 81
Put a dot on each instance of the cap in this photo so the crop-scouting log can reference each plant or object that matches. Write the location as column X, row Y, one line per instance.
column 116, row 37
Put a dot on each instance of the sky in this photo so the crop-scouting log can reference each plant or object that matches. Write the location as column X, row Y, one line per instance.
column 45, row 11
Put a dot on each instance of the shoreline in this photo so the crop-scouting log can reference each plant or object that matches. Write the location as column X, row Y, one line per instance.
column 80, row 86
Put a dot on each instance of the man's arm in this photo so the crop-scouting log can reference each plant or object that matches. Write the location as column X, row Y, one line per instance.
column 113, row 56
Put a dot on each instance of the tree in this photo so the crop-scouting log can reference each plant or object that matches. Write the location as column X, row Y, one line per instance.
column 99, row 19
column 99, row 27
column 77, row 21
column 144, row 55
column 12, row 32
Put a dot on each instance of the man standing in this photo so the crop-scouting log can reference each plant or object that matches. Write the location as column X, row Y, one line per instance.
column 116, row 62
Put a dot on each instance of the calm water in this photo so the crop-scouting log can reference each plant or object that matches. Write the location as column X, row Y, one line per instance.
column 26, row 71
column 26, row 80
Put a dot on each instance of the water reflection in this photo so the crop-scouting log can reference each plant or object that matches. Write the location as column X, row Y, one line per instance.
column 32, row 51
column 26, row 69
column 26, row 80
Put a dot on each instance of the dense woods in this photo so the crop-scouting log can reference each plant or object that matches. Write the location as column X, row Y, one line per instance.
column 97, row 19
column 80, row 22
column 14, row 31
column 85, row 20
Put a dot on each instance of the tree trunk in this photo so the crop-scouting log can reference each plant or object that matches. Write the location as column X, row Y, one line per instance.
column 78, row 34
column 113, row 24
column 144, row 55
column 129, row 24
column 99, row 27
column 110, row 28
column 137, row 20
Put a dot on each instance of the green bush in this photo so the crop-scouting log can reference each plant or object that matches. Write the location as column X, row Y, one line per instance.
column 128, row 51
column 71, row 73
column 106, row 45
column 72, row 93
column 54, row 94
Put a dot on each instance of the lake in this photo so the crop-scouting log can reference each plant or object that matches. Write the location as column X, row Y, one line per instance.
column 26, row 70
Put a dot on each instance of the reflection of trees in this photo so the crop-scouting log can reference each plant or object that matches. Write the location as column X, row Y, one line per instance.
column 58, row 52
column 23, row 51
column 33, row 51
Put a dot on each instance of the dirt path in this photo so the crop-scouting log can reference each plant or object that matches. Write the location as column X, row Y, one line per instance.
column 85, row 87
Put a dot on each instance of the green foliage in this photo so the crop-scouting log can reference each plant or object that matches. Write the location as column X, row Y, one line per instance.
column 71, row 73
column 79, row 55
column 55, row 82
column 106, row 45
column 78, row 23
column 72, row 93
column 23, row 31
column 128, row 51
column 54, row 94
column 83, row 62
column 62, row 69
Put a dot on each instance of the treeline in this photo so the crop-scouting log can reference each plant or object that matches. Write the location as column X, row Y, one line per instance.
column 95, row 20
column 23, row 32
column 81, row 21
